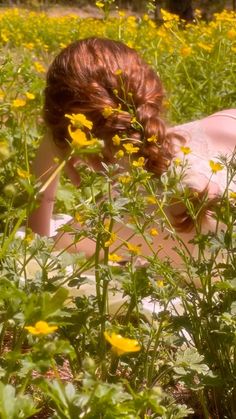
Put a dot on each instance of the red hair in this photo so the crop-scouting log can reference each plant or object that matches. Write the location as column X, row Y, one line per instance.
column 94, row 73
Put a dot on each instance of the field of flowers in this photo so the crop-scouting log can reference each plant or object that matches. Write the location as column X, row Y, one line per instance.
column 148, row 341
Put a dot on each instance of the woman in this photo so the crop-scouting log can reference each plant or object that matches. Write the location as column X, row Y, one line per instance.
column 94, row 75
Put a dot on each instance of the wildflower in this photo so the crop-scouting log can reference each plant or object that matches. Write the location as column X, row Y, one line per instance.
column 4, row 37
column 79, row 218
column 119, row 154
column 185, row 51
column 107, row 111
column 18, row 103
column 2, row 95
column 79, row 139
column 118, row 72
column 215, row 166
column 124, row 179
column 116, row 140
column 24, row 174
column 121, row 13
column 41, row 328
column 145, row 17
column 39, row 67
column 99, row 4
column 111, row 240
column 185, row 150
column 30, row 96
column 139, row 163
column 107, row 224
column 231, row 34
column 130, row 149
column 232, row 195
column 177, row 162
column 29, row 45
column 121, row 345
column 79, row 120
column 152, row 139
column 151, row 199
column 154, row 232
column 135, row 249
column 113, row 257
column 29, row 237
column 160, row 283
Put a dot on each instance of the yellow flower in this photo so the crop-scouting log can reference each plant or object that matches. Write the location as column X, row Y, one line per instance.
column 151, row 199
column 130, row 149
column 108, row 111
column 154, row 232
column 118, row 72
column 231, row 34
column 177, row 162
column 39, row 67
column 152, row 139
column 160, row 283
column 2, row 95
column 18, row 103
column 111, row 240
column 79, row 139
column 124, row 179
column 116, row 140
column 121, row 345
column 232, row 195
column 29, row 237
column 113, row 257
column 121, row 13
column 28, row 45
column 139, row 163
column 215, row 166
column 185, row 51
column 135, row 249
column 99, row 4
column 4, row 37
column 79, row 218
column 107, row 224
column 30, row 96
column 24, row 174
column 79, row 120
column 185, row 150
column 119, row 154
column 41, row 328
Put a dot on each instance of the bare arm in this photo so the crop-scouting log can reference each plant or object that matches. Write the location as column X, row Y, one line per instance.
column 43, row 167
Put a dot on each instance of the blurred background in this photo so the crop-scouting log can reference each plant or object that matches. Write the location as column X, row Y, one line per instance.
column 184, row 8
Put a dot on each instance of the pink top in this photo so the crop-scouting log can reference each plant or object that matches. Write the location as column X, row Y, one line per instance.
column 205, row 146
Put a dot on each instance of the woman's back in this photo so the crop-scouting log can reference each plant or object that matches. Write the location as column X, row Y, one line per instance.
column 209, row 139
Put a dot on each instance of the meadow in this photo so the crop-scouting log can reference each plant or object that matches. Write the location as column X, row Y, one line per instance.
column 165, row 347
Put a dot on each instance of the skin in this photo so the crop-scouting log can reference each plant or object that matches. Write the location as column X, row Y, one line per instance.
column 221, row 132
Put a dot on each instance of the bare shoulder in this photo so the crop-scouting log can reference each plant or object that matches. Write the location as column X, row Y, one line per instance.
column 220, row 128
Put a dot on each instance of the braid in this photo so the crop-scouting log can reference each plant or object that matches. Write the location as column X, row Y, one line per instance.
column 94, row 74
